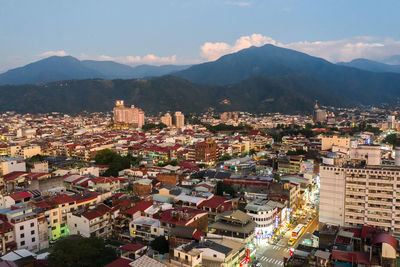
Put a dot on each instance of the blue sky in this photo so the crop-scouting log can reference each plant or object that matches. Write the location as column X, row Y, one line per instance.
column 182, row 32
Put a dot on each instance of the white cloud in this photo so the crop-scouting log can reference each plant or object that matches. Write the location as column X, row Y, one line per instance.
column 339, row 50
column 150, row 59
column 238, row 3
column 60, row 53
column 212, row 51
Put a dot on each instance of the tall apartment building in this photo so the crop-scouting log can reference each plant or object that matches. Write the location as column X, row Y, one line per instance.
column 167, row 119
column 179, row 119
column 205, row 152
column 133, row 116
column 361, row 192
column 319, row 115
column 391, row 122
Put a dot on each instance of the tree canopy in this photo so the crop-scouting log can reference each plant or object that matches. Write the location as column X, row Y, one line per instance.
column 116, row 161
column 392, row 139
column 224, row 188
column 151, row 126
column 80, row 251
column 160, row 244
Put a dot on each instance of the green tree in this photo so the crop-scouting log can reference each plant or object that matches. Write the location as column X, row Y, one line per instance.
column 225, row 157
column 151, row 126
column 392, row 139
column 36, row 158
column 116, row 161
column 224, row 188
column 80, row 251
column 160, row 244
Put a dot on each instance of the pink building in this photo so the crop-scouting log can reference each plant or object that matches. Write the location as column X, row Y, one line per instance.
column 132, row 115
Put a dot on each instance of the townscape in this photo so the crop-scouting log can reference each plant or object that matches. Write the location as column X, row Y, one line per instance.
column 199, row 133
column 228, row 189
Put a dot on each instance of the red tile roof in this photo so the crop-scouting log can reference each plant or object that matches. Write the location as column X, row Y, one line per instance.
column 141, row 206
column 36, row 175
column 13, row 175
column 99, row 211
column 216, row 202
column 63, row 199
column 120, row 262
column 20, row 195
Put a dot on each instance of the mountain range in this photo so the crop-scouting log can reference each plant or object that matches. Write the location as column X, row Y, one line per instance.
column 370, row 65
column 58, row 68
column 257, row 79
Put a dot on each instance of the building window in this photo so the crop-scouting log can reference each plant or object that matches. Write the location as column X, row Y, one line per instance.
column 21, row 227
column 33, row 239
column 55, row 213
column 32, row 224
column 32, row 232
column 22, row 243
column 22, row 235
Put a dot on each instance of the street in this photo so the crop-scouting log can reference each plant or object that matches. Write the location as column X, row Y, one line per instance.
column 272, row 255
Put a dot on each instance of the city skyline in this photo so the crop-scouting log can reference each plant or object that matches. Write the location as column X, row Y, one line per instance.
column 189, row 32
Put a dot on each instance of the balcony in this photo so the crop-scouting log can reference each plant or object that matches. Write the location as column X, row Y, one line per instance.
column 181, row 262
column 379, row 202
column 353, row 220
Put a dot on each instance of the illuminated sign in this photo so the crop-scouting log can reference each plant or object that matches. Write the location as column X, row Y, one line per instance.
column 291, row 252
column 119, row 103
column 247, row 259
column 288, row 214
column 276, row 221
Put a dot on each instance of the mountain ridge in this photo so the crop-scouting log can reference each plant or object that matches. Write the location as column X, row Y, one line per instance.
column 56, row 68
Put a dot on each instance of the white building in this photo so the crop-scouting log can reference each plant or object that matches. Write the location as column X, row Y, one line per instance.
column 94, row 222
column 145, row 228
column 356, row 194
column 25, row 222
column 264, row 216
column 8, row 165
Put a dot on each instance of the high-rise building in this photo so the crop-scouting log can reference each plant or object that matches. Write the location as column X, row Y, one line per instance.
column 205, row 152
column 361, row 191
column 167, row 119
column 179, row 119
column 391, row 121
column 319, row 115
column 132, row 116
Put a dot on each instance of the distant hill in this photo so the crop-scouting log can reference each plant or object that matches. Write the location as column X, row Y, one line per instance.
column 57, row 68
column 113, row 70
column 258, row 94
column 257, row 79
column 275, row 61
column 392, row 60
column 49, row 69
column 370, row 65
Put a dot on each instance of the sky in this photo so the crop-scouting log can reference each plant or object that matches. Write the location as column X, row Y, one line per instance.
column 193, row 31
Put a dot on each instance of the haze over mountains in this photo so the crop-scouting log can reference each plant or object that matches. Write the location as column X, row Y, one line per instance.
column 57, row 68
column 370, row 65
column 257, row 79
